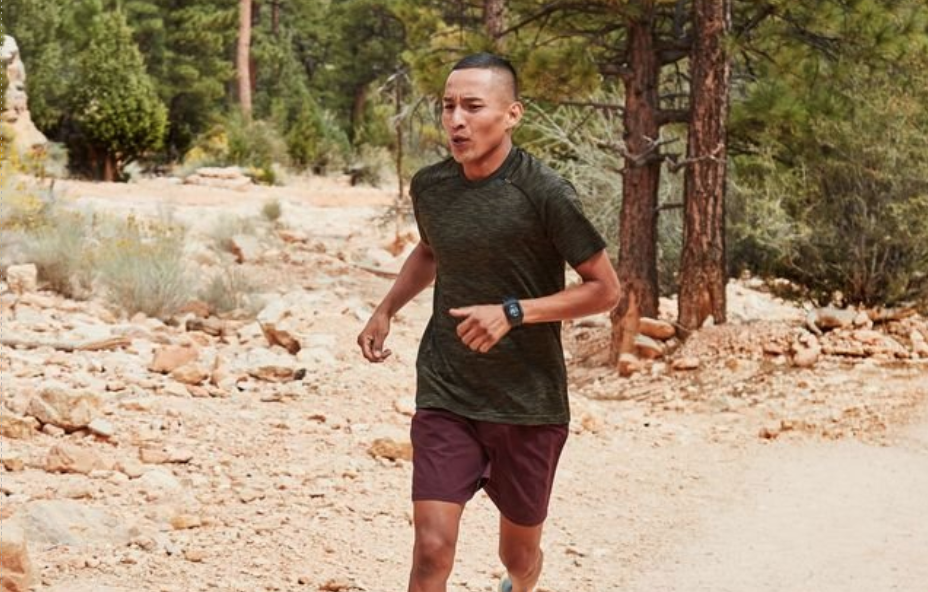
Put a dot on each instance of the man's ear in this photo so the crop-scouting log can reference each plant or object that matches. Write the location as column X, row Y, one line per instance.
column 514, row 114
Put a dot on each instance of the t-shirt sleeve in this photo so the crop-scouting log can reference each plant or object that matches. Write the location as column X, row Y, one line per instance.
column 414, row 194
column 572, row 233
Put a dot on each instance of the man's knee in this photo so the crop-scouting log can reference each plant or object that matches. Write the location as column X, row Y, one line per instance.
column 520, row 560
column 433, row 554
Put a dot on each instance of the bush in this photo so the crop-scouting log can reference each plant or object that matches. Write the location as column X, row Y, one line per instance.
column 226, row 227
column 255, row 146
column 849, row 219
column 229, row 290
column 316, row 141
column 272, row 210
column 143, row 268
column 369, row 166
column 60, row 246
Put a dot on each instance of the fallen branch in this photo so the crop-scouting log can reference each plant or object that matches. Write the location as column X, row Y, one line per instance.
column 68, row 346
column 390, row 275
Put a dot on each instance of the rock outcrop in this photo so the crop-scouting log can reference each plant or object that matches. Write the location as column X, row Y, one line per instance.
column 26, row 137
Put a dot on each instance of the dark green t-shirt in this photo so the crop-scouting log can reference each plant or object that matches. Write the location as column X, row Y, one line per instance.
column 507, row 235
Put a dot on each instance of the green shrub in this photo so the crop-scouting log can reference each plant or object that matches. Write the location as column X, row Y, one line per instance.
column 115, row 105
column 844, row 213
column 256, row 146
column 316, row 141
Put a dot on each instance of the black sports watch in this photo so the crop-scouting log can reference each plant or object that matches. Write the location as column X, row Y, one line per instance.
column 513, row 311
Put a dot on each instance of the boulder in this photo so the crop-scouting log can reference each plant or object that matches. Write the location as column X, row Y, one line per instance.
column 390, row 449
column 69, row 458
column 171, row 357
column 68, row 523
column 647, row 348
column 17, row 428
column 22, row 278
column 16, row 574
column 61, row 406
column 288, row 321
column 655, row 329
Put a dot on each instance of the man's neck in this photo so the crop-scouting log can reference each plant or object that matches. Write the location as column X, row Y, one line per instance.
column 477, row 171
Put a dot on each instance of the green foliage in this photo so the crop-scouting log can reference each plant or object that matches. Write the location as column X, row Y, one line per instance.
column 256, row 146
column 186, row 47
column 143, row 268
column 852, row 217
column 115, row 105
column 316, row 141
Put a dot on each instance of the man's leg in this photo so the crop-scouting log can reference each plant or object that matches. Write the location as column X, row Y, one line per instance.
column 436, row 525
column 520, row 551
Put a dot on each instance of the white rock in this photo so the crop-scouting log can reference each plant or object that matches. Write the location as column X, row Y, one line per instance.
column 61, row 406
column 22, row 278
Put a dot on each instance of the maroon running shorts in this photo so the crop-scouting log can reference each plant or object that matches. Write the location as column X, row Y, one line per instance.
column 453, row 457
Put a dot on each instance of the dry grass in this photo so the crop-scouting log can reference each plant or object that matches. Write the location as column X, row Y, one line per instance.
column 143, row 268
column 230, row 290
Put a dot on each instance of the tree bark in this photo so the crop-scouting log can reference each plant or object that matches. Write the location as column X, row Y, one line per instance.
column 637, row 261
column 494, row 19
column 110, row 168
column 358, row 104
column 242, row 61
column 275, row 18
column 703, row 273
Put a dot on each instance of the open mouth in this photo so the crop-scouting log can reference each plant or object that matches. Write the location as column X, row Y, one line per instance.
column 459, row 142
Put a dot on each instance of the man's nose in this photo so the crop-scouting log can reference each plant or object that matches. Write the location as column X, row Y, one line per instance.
column 457, row 117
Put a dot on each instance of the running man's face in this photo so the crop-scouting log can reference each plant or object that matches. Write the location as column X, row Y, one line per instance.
column 479, row 111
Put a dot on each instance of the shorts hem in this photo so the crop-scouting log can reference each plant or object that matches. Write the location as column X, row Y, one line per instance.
column 428, row 497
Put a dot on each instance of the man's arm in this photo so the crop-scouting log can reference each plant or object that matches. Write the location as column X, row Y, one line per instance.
column 416, row 274
column 483, row 326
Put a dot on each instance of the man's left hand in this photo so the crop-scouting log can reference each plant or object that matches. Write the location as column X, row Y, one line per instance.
column 481, row 327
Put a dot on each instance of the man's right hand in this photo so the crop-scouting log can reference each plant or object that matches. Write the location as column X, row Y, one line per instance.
column 372, row 337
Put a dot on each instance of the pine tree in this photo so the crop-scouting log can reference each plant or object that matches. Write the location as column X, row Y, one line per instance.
column 115, row 106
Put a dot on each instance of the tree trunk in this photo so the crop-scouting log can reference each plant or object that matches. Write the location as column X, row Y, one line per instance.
column 275, row 18
column 637, row 263
column 359, row 103
column 242, row 61
column 110, row 168
column 703, row 275
column 494, row 20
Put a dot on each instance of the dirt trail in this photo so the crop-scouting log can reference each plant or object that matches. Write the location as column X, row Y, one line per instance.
column 669, row 492
column 809, row 517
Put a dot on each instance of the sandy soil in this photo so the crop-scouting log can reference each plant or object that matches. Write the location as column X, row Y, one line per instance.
column 664, row 485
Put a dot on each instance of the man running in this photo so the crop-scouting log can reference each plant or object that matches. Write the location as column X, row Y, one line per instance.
column 496, row 228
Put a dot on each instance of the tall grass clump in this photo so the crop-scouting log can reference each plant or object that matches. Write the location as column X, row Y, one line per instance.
column 143, row 268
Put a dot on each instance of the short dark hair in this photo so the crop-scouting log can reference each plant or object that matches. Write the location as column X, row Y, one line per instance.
column 489, row 61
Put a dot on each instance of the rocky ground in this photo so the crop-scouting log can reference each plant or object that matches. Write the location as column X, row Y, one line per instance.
column 785, row 450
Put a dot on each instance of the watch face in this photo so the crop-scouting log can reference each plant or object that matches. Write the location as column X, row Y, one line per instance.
column 513, row 310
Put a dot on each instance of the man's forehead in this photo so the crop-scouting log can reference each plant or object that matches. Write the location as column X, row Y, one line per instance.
column 476, row 84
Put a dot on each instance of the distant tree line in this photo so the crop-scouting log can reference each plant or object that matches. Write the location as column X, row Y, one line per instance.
column 766, row 136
